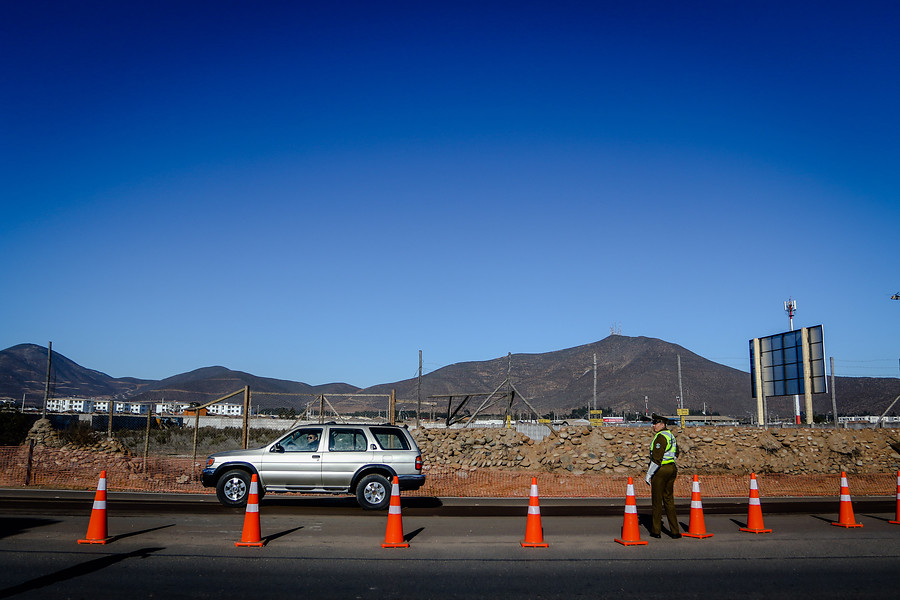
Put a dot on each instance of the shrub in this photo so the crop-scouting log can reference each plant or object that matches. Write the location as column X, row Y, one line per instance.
column 14, row 427
column 80, row 434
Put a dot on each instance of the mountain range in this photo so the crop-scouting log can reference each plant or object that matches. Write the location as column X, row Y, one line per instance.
column 634, row 374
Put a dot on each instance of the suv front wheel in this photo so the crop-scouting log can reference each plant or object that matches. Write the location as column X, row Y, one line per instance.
column 373, row 492
column 233, row 488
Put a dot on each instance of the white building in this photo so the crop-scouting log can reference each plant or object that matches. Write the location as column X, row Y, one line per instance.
column 226, row 410
column 78, row 405
column 171, row 408
column 867, row 419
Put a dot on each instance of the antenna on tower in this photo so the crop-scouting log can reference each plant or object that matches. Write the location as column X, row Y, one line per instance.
column 790, row 307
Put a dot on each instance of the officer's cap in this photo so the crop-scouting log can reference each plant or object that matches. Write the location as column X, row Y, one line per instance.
column 659, row 419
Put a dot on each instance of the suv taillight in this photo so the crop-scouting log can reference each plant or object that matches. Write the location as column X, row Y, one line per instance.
column 419, row 463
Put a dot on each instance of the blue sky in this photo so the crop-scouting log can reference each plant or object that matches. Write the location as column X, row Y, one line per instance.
column 317, row 191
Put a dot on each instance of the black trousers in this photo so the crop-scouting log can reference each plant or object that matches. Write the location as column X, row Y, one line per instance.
column 662, row 490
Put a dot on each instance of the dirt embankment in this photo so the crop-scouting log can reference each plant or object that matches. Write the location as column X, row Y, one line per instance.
column 703, row 450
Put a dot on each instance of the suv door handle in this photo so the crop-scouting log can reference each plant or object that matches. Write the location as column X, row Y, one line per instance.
column 316, row 456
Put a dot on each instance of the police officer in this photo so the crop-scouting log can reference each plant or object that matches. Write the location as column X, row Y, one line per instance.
column 661, row 476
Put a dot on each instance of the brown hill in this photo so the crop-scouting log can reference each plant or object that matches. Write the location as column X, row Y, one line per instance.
column 208, row 383
column 23, row 370
column 628, row 370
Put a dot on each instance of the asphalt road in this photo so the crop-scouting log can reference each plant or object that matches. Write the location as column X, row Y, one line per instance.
column 173, row 547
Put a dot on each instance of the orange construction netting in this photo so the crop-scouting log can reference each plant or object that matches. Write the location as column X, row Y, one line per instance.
column 52, row 468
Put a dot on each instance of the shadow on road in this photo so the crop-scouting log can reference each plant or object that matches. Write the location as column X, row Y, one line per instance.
column 342, row 502
column 75, row 571
column 134, row 533
column 13, row 525
column 275, row 536
column 413, row 534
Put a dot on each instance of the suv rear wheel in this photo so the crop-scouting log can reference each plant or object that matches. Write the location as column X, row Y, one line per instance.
column 373, row 492
column 233, row 488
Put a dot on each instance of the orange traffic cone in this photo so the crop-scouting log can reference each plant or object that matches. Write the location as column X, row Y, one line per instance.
column 697, row 528
column 534, row 533
column 631, row 534
column 393, row 536
column 845, row 519
column 251, row 536
column 897, row 522
column 754, row 515
column 96, row 533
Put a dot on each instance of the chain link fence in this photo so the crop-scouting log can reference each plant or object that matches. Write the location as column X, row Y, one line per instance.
column 44, row 467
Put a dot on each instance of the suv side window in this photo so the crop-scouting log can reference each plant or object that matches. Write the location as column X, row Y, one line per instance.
column 390, row 439
column 302, row 440
column 347, row 440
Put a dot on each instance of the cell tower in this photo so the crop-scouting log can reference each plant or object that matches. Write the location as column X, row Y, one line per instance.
column 790, row 307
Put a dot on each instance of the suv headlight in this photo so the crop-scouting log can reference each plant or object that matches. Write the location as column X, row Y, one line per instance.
column 210, row 462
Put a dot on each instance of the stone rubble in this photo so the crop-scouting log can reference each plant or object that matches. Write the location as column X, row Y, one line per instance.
column 43, row 433
column 703, row 450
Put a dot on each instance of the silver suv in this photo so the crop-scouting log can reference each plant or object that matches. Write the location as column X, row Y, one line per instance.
column 327, row 458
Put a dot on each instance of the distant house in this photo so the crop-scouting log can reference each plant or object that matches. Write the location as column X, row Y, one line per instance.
column 225, row 409
column 77, row 405
column 171, row 408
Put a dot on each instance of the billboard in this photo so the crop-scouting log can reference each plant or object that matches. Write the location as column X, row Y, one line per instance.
column 788, row 364
column 781, row 360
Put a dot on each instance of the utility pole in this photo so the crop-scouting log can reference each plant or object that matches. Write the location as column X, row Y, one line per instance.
column 47, row 383
column 680, row 389
column 419, row 391
column 595, row 384
column 833, row 401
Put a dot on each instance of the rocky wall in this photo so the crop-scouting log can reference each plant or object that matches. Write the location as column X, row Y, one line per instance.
column 703, row 450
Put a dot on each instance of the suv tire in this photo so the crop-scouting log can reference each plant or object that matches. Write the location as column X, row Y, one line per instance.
column 373, row 492
column 233, row 488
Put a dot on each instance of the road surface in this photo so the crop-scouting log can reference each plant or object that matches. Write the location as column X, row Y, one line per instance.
column 184, row 548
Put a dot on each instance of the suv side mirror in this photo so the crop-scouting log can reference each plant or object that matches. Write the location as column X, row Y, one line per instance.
column 276, row 448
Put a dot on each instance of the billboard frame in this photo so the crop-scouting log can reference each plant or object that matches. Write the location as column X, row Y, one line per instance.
column 775, row 363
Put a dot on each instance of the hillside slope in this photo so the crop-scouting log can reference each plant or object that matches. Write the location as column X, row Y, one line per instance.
column 629, row 369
